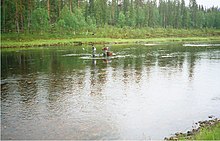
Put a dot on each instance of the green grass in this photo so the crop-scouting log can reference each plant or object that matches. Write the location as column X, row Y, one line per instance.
column 208, row 133
column 74, row 41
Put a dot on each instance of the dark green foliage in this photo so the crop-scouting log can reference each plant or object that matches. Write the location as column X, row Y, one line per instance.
column 67, row 19
column 101, row 12
column 40, row 20
column 71, row 21
column 193, row 12
column 121, row 19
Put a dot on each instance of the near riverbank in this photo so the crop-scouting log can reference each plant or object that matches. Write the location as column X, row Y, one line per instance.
column 206, row 130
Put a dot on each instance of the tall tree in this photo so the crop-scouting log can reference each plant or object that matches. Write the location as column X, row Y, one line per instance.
column 3, row 15
column 113, row 11
column 193, row 11
column 153, row 13
column 30, row 6
column 17, row 16
column 48, row 8
column 125, row 8
column 71, row 5
column 121, row 19
column 101, row 12
column 163, row 13
column 177, row 10
column 40, row 20
column 131, row 20
column 91, row 8
column 183, row 14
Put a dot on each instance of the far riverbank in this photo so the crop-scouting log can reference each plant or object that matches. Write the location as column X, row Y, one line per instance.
column 109, row 35
column 80, row 41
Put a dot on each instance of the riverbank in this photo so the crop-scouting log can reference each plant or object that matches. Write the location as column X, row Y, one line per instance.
column 206, row 130
column 108, row 35
column 80, row 41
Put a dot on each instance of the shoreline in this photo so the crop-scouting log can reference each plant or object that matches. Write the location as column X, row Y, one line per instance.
column 205, row 130
column 85, row 41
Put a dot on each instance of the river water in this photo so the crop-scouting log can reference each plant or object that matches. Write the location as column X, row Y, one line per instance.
column 144, row 92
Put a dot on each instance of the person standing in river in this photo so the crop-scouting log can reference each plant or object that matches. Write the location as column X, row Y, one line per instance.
column 93, row 51
column 105, row 50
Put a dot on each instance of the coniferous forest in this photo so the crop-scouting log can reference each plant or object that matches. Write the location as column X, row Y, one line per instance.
column 75, row 16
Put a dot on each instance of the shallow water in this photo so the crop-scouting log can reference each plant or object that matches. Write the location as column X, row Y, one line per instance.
column 145, row 92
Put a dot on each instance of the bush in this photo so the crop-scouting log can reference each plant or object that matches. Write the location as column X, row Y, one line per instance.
column 40, row 20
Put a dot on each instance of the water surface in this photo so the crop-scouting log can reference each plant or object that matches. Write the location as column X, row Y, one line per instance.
column 144, row 92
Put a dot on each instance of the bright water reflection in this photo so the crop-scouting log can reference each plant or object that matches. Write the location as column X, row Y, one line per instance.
column 146, row 93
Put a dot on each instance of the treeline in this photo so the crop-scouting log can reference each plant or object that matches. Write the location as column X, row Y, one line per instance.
column 34, row 16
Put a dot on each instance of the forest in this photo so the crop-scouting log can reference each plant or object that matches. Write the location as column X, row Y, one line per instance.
column 77, row 16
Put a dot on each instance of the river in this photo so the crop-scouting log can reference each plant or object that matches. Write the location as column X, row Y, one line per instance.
column 145, row 92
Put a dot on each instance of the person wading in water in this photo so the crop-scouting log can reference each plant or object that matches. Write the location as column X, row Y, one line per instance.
column 105, row 50
column 93, row 51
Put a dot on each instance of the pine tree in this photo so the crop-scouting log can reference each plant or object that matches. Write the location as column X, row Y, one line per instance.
column 183, row 14
column 91, row 8
column 125, row 9
column 177, row 20
column 101, row 12
column 3, row 14
column 113, row 8
column 40, row 20
column 193, row 11
column 48, row 8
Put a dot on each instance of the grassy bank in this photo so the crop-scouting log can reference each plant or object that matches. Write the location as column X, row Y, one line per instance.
column 79, row 41
column 207, row 130
column 108, row 35
column 209, row 133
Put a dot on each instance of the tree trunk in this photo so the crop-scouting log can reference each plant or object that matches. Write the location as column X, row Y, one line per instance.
column 3, row 13
column 21, row 16
column 48, row 9
column 59, row 7
column 29, row 15
column 78, row 3
column 70, row 4
column 113, row 12
column 17, row 17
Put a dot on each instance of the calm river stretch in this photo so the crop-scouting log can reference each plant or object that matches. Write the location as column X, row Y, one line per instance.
column 144, row 92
